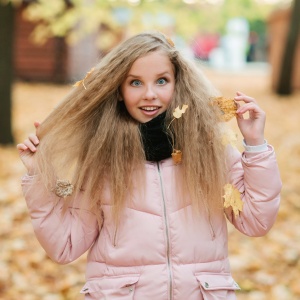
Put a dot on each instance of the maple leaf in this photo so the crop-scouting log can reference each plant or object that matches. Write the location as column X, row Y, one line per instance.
column 178, row 112
column 232, row 198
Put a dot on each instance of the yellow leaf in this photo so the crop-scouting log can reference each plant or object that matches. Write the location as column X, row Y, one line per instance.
column 227, row 106
column 78, row 83
column 178, row 112
column 229, row 137
column 89, row 72
column 232, row 198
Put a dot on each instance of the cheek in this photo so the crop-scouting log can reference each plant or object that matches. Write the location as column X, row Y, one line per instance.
column 127, row 91
column 130, row 99
column 169, row 95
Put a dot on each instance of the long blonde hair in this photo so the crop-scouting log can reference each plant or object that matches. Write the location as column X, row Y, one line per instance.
column 91, row 139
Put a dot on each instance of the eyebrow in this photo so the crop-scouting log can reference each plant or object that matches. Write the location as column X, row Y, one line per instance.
column 158, row 75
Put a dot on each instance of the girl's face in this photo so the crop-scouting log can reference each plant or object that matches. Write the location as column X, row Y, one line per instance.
column 149, row 86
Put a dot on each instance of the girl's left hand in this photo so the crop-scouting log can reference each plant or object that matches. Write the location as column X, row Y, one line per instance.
column 253, row 127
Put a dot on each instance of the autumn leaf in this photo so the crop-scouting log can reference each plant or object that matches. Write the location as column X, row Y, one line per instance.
column 227, row 106
column 63, row 188
column 232, row 198
column 78, row 83
column 178, row 112
column 229, row 137
column 177, row 156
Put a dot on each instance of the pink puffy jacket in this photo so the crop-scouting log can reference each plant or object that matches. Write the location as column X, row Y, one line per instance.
column 161, row 250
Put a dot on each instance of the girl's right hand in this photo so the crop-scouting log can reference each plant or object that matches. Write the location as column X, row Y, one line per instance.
column 27, row 150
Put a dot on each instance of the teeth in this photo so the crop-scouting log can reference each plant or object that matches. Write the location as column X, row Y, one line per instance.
column 149, row 108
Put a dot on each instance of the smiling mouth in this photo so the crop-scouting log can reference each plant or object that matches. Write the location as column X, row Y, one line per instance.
column 149, row 108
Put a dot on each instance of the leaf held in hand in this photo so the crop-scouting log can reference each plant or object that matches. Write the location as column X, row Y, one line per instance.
column 227, row 106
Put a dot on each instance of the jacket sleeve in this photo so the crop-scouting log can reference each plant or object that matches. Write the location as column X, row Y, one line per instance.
column 256, row 176
column 65, row 235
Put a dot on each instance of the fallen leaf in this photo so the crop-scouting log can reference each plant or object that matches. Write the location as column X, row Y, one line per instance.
column 232, row 198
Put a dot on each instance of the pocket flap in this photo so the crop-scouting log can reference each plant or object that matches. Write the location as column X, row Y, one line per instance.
column 217, row 281
column 109, row 283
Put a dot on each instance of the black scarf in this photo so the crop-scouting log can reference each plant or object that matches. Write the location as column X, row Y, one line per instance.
column 157, row 143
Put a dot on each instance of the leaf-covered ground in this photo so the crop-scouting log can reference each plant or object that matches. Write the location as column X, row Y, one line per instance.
column 265, row 268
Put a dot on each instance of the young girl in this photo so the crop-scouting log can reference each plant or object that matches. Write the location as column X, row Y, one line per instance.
column 101, row 177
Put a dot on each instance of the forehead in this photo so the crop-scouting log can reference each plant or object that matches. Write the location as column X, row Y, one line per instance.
column 155, row 62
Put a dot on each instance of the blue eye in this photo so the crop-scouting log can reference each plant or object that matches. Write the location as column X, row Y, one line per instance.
column 135, row 82
column 161, row 81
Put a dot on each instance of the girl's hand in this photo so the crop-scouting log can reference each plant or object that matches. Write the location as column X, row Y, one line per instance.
column 27, row 150
column 252, row 128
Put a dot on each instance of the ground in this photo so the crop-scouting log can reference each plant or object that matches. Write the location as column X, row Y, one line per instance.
column 265, row 268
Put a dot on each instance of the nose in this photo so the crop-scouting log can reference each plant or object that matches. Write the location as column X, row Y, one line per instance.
column 150, row 93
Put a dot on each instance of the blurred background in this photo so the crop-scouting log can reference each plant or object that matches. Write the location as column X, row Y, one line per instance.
column 251, row 46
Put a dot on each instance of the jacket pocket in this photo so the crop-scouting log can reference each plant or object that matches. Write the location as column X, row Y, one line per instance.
column 114, row 287
column 216, row 286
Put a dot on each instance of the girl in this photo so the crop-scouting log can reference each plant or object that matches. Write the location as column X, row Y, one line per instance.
column 155, row 228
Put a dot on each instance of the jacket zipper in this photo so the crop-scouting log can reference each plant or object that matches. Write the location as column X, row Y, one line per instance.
column 167, row 233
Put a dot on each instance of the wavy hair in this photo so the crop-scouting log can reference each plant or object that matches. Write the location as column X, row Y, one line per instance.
column 91, row 139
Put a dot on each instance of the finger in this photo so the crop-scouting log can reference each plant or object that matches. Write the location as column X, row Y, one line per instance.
column 253, row 110
column 34, row 139
column 36, row 124
column 239, row 116
column 28, row 143
column 245, row 98
column 249, row 107
column 22, row 147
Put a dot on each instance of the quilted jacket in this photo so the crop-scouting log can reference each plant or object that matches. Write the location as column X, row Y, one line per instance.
column 161, row 249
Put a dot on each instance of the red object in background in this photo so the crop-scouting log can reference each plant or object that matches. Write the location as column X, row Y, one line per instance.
column 203, row 44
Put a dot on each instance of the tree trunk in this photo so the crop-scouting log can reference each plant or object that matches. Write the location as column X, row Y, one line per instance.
column 284, row 86
column 6, row 72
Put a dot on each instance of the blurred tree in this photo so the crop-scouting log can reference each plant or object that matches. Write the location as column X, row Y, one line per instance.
column 287, row 64
column 6, row 71
column 84, row 16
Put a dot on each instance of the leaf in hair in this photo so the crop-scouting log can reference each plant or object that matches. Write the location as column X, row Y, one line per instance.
column 170, row 42
column 229, row 137
column 63, row 188
column 78, row 83
column 178, row 112
column 232, row 198
column 177, row 156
